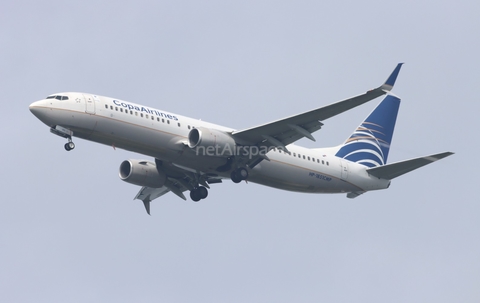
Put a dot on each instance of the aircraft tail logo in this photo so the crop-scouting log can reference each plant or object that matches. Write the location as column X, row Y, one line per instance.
column 370, row 142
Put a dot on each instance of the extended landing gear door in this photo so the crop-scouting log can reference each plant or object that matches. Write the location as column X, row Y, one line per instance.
column 89, row 104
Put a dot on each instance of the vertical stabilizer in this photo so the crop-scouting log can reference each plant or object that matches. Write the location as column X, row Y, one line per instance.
column 370, row 142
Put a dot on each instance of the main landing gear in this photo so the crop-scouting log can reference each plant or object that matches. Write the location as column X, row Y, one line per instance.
column 198, row 193
column 239, row 175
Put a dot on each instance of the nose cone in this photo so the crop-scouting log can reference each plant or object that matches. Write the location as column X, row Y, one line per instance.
column 37, row 107
column 41, row 111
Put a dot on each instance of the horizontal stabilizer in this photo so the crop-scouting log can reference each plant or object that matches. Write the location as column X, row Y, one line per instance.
column 354, row 194
column 397, row 169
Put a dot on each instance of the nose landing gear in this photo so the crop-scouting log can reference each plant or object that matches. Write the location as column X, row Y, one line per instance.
column 65, row 133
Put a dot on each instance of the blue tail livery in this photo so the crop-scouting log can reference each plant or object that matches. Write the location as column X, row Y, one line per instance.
column 370, row 142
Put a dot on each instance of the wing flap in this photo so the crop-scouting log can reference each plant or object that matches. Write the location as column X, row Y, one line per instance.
column 393, row 170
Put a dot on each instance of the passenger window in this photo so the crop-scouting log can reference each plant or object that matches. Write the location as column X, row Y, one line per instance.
column 163, row 120
column 121, row 110
column 178, row 124
column 141, row 115
column 168, row 121
column 323, row 162
column 294, row 154
column 308, row 158
column 146, row 116
column 111, row 107
column 327, row 163
column 116, row 108
column 153, row 118
column 106, row 106
column 303, row 157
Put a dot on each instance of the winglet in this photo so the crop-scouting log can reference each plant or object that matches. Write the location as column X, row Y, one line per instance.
column 388, row 85
column 146, row 202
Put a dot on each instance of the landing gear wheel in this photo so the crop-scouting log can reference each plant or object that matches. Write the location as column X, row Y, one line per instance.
column 239, row 175
column 235, row 178
column 198, row 193
column 242, row 172
column 202, row 192
column 69, row 146
column 195, row 196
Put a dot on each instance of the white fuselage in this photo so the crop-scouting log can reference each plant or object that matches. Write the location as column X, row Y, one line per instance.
column 163, row 135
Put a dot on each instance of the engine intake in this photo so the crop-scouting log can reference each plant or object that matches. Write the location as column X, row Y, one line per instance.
column 211, row 142
column 142, row 173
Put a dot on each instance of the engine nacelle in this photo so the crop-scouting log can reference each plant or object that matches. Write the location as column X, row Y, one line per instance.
column 142, row 173
column 211, row 142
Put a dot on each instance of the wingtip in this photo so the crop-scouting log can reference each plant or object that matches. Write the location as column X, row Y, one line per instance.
column 445, row 154
column 147, row 206
column 388, row 85
column 439, row 156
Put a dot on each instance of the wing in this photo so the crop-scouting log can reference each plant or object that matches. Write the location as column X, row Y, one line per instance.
column 178, row 181
column 288, row 130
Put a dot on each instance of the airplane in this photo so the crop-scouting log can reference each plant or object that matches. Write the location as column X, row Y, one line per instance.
column 190, row 154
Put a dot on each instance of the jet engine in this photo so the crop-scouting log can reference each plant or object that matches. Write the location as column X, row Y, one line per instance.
column 211, row 142
column 142, row 173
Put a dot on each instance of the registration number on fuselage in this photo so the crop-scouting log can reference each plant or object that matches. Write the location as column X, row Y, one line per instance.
column 319, row 176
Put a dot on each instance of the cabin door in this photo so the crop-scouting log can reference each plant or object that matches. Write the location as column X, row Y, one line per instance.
column 89, row 104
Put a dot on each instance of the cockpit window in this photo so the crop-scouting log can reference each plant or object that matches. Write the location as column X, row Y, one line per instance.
column 58, row 97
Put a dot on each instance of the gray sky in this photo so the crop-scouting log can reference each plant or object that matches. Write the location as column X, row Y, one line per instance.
column 70, row 231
